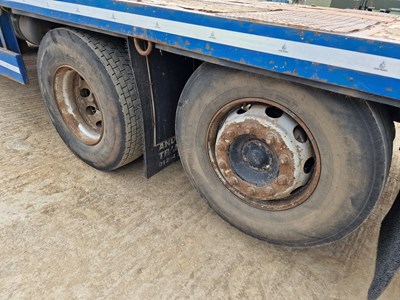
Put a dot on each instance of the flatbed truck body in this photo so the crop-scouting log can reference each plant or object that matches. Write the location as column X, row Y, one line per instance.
column 343, row 48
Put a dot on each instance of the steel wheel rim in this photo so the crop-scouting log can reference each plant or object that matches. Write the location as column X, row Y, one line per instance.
column 270, row 142
column 78, row 106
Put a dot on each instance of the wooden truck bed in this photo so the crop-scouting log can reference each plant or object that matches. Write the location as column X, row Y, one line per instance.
column 340, row 21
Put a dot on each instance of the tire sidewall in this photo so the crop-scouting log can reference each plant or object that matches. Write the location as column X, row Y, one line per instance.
column 64, row 47
column 337, row 206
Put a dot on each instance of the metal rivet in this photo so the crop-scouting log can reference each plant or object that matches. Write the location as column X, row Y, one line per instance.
column 233, row 180
column 283, row 180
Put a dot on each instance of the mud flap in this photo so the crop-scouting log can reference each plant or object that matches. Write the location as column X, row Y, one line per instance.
column 160, row 78
column 11, row 63
column 388, row 254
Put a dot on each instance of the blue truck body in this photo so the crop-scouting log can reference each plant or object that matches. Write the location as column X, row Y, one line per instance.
column 370, row 66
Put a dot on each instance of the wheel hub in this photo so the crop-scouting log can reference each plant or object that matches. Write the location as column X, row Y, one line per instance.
column 78, row 106
column 252, row 160
column 263, row 154
column 257, row 155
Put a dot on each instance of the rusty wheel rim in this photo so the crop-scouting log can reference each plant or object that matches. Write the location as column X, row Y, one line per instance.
column 264, row 154
column 78, row 106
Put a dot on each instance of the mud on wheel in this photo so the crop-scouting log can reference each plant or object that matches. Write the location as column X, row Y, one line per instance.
column 285, row 163
column 77, row 105
column 263, row 154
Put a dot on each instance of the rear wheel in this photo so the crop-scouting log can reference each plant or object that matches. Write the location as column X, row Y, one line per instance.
column 285, row 163
column 91, row 95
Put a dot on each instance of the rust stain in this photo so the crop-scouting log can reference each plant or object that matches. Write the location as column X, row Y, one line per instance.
column 254, row 128
column 260, row 197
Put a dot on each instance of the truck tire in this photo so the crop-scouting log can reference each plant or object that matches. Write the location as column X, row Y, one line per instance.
column 91, row 95
column 285, row 163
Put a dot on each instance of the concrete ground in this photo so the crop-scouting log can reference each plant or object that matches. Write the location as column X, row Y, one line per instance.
column 68, row 231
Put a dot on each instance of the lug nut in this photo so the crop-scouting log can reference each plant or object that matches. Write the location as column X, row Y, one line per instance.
column 221, row 147
column 228, row 172
column 248, row 129
column 222, row 164
column 269, row 191
column 270, row 139
column 233, row 180
column 230, row 134
column 283, row 180
column 251, row 191
column 284, row 159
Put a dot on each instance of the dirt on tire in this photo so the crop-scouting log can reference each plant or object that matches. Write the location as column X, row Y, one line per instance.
column 69, row 231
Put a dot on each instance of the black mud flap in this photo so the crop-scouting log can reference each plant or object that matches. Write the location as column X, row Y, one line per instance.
column 388, row 255
column 160, row 77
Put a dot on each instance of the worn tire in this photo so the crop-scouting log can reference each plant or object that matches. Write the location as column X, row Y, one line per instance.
column 104, row 64
column 355, row 144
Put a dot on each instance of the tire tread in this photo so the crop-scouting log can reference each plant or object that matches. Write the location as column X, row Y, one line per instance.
column 113, row 54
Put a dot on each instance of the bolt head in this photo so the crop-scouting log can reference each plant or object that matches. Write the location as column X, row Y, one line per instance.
column 230, row 134
column 269, row 191
column 233, row 180
column 270, row 139
column 284, row 159
column 228, row 173
column 221, row 147
column 248, row 129
column 251, row 191
column 283, row 180
column 222, row 164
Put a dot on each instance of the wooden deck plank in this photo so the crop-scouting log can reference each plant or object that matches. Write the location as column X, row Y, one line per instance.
column 321, row 19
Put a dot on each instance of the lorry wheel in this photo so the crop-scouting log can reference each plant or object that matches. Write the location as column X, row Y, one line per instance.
column 285, row 163
column 90, row 93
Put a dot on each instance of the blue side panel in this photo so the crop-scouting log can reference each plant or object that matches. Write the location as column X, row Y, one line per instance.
column 359, row 81
column 367, row 65
column 12, row 66
column 8, row 32
column 274, row 31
